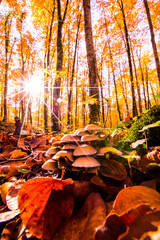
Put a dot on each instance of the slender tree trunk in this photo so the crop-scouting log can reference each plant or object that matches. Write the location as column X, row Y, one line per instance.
column 76, row 109
column 134, row 107
column 73, row 71
column 57, row 83
column 137, row 84
column 147, row 86
column 84, row 105
column 124, row 91
column 153, row 93
column 101, row 90
column 113, row 73
column 142, row 77
column 92, row 65
column 6, row 67
column 46, row 67
column 7, row 29
column 154, row 46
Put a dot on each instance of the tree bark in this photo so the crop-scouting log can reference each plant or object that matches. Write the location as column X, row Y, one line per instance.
column 7, row 29
column 92, row 65
column 57, row 83
column 113, row 72
column 46, row 67
column 73, row 70
column 134, row 107
column 154, row 46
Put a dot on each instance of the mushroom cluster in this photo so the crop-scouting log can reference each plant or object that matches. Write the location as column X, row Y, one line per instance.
column 77, row 152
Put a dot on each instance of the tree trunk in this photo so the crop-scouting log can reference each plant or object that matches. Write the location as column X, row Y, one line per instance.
column 147, row 86
column 73, row 70
column 7, row 29
column 124, row 92
column 142, row 77
column 46, row 67
column 134, row 107
column 137, row 84
column 57, row 83
column 154, row 46
column 113, row 73
column 92, row 65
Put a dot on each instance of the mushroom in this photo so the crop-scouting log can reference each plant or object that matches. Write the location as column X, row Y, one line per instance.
column 88, row 138
column 69, row 146
column 102, row 151
column 63, row 154
column 84, row 149
column 57, row 144
column 86, row 162
column 92, row 127
column 50, row 165
column 80, row 132
column 70, row 138
column 51, row 151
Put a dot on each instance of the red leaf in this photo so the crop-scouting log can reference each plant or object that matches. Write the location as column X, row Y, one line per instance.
column 44, row 204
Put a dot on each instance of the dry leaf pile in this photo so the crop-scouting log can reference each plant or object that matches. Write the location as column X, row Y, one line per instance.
column 73, row 187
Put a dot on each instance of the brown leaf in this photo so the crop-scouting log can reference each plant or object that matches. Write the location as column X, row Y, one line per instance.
column 130, row 197
column 120, row 223
column 137, row 228
column 82, row 226
column 113, row 169
column 17, row 154
column 151, row 157
column 112, row 190
column 44, row 204
column 82, row 189
column 152, row 235
column 7, row 233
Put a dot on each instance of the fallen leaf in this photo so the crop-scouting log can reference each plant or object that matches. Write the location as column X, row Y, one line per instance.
column 151, row 157
column 44, row 204
column 137, row 228
column 97, row 181
column 151, row 235
column 6, row 216
column 7, row 233
column 116, row 225
column 82, row 226
column 113, row 169
column 17, row 154
column 130, row 197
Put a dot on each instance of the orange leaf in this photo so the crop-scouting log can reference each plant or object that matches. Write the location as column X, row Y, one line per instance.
column 130, row 197
column 17, row 154
column 44, row 204
column 120, row 223
column 82, row 226
column 149, row 222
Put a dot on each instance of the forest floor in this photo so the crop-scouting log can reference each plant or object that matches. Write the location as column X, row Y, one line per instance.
column 77, row 186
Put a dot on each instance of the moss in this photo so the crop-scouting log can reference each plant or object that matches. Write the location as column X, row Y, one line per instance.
column 152, row 116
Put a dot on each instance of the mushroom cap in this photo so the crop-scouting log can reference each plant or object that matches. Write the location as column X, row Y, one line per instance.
column 63, row 153
column 57, row 144
column 51, row 151
column 86, row 162
column 92, row 127
column 80, row 132
column 84, row 149
column 69, row 146
column 50, row 165
column 88, row 138
column 70, row 138
column 103, row 150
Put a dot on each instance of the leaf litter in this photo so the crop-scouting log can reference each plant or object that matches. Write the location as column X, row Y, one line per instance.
column 112, row 201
